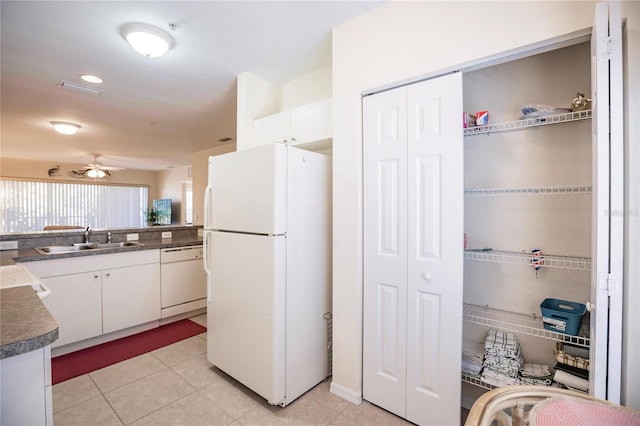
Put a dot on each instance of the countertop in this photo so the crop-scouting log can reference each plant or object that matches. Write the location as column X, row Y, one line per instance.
column 25, row 323
column 10, row 257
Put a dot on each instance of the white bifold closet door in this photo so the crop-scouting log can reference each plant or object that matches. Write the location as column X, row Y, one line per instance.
column 413, row 250
column 608, row 203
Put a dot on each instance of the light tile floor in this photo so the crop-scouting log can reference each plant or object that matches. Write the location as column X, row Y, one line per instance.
column 176, row 385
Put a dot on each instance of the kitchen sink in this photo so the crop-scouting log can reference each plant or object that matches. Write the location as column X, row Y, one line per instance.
column 84, row 246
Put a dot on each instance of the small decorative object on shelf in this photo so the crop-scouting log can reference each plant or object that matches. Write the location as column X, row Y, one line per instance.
column 580, row 102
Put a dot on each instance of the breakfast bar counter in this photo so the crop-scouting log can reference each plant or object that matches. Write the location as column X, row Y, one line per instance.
column 25, row 323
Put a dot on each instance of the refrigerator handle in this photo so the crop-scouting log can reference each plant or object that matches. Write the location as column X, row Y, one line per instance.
column 207, row 201
column 205, row 259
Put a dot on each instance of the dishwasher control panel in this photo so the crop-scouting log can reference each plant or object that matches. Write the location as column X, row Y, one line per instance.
column 181, row 254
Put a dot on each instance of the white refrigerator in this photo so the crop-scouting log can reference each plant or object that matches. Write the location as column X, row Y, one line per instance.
column 267, row 242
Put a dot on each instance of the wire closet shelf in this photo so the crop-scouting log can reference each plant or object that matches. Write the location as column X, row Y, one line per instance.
column 530, row 324
column 526, row 123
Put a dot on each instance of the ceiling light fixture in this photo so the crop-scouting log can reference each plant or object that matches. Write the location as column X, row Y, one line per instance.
column 96, row 173
column 90, row 78
column 146, row 39
column 65, row 128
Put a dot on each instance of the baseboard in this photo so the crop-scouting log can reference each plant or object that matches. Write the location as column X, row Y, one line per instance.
column 182, row 316
column 345, row 393
column 104, row 338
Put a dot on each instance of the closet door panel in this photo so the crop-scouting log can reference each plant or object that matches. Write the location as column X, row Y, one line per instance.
column 385, row 250
column 435, row 246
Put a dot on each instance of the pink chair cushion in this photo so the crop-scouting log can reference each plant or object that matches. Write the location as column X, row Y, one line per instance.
column 560, row 411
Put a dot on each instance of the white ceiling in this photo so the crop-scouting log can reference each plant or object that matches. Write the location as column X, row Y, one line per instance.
column 153, row 112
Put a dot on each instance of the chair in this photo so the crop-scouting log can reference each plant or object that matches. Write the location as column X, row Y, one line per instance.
column 526, row 402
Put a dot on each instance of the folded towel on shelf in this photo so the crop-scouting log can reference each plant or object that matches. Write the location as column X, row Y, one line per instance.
column 535, row 381
column 472, row 368
column 472, row 350
column 535, row 370
column 497, row 379
column 501, row 343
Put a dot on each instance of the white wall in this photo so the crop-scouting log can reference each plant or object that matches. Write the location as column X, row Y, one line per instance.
column 306, row 89
column 401, row 42
column 256, row 97
column 170, row 186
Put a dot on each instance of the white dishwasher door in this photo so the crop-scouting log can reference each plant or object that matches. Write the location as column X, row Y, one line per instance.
column 183, row 280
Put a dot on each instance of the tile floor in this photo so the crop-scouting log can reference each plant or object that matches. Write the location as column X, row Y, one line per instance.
column 175, row 385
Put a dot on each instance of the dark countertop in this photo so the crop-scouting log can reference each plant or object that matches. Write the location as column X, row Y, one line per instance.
column 25, row 323
column 10, row 257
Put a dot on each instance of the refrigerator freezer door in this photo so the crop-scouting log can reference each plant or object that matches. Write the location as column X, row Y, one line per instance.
column 247, row 190
column 246, row 313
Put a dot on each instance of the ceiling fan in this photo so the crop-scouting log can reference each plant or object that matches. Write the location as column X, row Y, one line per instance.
column 95, row 170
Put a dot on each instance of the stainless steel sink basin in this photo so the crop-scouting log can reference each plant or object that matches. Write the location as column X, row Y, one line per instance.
column 116, row 245
column 84, row 246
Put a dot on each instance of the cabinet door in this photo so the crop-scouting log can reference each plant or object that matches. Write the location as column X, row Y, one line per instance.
column 130, row 296
column 385, row 250
column 273, row 128
column 413, row 250
column 311, row 123
column 435, row 254
column 76, row 304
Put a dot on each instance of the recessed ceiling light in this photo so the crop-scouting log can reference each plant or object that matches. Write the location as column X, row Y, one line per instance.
column 65, row 128
column 90, row 78
column 146, row 39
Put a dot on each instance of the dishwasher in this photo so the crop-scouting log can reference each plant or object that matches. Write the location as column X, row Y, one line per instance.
column 183, row 281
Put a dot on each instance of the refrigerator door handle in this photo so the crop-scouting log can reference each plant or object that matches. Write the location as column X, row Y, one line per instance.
column 205, row 259
column 207, row 200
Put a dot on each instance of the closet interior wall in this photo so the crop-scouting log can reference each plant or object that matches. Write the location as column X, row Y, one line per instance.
column 557, row 155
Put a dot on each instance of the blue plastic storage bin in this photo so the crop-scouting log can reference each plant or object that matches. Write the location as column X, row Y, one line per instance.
column 562, row 316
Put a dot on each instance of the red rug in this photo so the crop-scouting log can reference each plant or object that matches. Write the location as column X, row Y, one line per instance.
column 84, row 361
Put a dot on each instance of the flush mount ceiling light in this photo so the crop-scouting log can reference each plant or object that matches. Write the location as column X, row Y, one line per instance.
column 65, row 128
column 146, row 39
column 90, row 78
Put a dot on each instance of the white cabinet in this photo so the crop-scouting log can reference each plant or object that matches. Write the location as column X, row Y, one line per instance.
column 25, row 381
column 130, row 296
column 308, row 124
column 413, row 218
column 76, row 304
column 99, row 294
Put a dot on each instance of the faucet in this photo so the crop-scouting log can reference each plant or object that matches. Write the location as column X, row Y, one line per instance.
column 87, row 235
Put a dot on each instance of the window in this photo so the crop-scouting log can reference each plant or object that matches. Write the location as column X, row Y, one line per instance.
column 32, row 205
column 187, row 197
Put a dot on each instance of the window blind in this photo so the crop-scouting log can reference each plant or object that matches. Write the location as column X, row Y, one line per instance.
column 32, row 205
